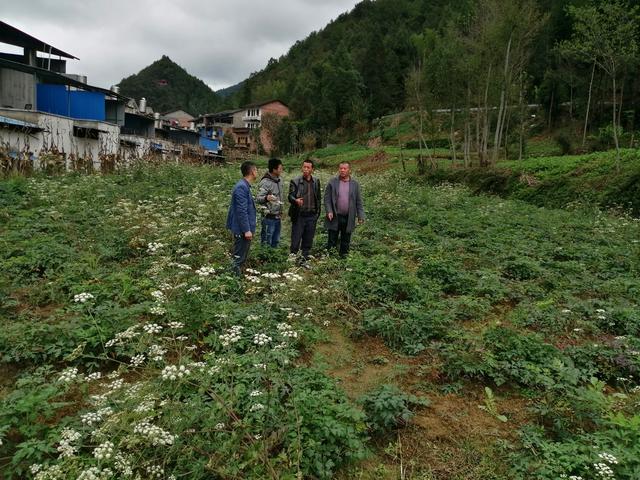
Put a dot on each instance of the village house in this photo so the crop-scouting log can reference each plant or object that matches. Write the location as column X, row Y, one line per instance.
column 242, row 122
column 47, row 113
column 179, row 118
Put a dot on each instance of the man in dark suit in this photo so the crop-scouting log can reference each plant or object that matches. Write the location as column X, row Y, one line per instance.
column 241, row 219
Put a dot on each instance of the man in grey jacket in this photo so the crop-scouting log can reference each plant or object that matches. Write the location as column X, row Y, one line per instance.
column 270, row 196
column 343, row 204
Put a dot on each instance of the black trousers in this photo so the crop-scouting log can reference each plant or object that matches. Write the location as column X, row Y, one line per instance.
column 240, row 253
column 342, row 234
column 303, row 229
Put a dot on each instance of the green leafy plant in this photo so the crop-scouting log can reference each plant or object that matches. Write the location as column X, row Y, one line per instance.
column 388, row 408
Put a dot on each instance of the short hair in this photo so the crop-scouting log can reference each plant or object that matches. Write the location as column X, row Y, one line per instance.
column 308, row 160
column 274, row 163
column 246, row 168
column 345, row 163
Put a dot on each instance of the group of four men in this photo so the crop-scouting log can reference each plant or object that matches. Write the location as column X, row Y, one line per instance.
column 342, row 203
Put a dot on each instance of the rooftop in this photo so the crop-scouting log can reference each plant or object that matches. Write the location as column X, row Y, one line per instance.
column 13, row 36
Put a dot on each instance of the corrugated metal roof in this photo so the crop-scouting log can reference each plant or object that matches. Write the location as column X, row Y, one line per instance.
column 13, row 36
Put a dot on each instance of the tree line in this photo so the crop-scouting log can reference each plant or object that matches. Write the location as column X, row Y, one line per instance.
column 468, row 70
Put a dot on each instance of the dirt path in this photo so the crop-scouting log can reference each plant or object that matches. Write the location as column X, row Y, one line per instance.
column 450, row 439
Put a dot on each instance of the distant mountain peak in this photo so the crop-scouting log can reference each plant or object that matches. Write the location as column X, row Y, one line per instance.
column 168, row 87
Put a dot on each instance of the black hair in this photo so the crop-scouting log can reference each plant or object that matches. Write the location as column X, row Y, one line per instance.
column 308, row 160
column 246, row 167
column 274, row 163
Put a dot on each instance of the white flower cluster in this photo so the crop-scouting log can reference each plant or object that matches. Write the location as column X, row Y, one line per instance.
column 156, row 353
column 233, row 335
column 293, row 277
column 287, row 330
column 83, row 297
column 219, row 426
column 159, row 296
column 152, row 328
column 607, row 457
column 261, row 339
column 115, row 385
column 181, row 266
column 252, row 271
column 194, row 289
column 256, row 393
column 205, row 271
column 157, row 310
column 145, row 406
column 120, row 338
column 104, row 451
column 253, row 318
column 572, row 477
column 175, row 325
column 153, row 247
column 155, row 471
column 53, row 472
column 604, row 471
column 68, row 375
column 137, row 360
column 93, row 418
column 94, row 376
column 272, row 276
column 260, row 366
column 201, row 366
column 156, row 435
column 67, row 437
column 253, row 279
column 292, row 315
column 123, row 465
column 256, row 407
column 94, row 473
column 173, row 372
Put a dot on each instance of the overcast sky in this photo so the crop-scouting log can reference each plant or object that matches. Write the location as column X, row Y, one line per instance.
column 220, row 42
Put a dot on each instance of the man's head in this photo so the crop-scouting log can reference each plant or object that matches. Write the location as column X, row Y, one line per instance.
column 249, row 171
column 275, row 167
column 344, row 170
column 307, row 168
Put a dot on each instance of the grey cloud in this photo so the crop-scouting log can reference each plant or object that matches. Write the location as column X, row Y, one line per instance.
column 220, row 42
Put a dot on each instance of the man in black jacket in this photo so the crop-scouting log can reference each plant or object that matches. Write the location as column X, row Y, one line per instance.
column 304, row 197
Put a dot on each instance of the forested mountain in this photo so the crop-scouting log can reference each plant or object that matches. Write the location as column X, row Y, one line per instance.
column 227, row 92
column 390, row 55
column 167, row 86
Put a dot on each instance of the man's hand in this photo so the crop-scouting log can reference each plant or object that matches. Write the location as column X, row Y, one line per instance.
column 360, row 221
column 299, row 201
column 248, row 235
column 330, row 216
column 271, row 198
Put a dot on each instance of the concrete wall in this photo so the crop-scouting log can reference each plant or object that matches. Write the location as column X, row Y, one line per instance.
column 238, row 122
column 17, row 89
column 58, row 137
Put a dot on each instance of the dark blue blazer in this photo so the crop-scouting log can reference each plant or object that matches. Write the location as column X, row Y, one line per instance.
column 242, row 211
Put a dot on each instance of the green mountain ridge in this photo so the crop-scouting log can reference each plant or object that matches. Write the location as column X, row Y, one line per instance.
column 168, row 87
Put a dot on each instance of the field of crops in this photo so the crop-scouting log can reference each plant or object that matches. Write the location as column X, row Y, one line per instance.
column 465, row 337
